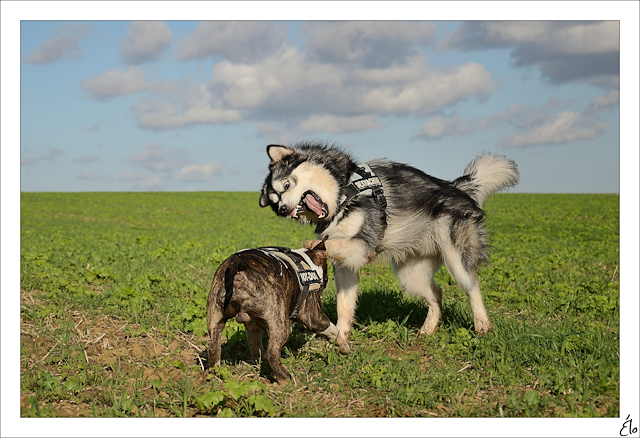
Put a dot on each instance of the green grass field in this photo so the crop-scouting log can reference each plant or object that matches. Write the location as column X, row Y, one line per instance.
column 114, row 286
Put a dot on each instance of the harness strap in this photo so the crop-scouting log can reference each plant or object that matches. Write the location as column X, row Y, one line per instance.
column 308, row 278
column 364, row 182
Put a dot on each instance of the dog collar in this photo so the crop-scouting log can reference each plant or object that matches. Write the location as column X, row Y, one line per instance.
column 309, row 279
column 363, row 182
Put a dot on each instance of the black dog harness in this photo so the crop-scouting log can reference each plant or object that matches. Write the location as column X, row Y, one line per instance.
column 308, row 278
column 364, row 182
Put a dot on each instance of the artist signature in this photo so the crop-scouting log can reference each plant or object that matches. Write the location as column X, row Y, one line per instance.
column 628, row 429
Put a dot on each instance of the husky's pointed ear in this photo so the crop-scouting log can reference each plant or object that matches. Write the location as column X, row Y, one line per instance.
column 277, row 152
column 264, row 197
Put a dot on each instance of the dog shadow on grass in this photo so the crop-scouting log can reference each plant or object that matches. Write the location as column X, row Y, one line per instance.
column 234, row 350
column 380, row 305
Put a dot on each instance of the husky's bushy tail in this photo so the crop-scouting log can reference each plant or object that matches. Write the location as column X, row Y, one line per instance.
column 486, row 175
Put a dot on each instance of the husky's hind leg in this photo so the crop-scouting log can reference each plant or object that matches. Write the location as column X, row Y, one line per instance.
column 468, row 281
column 347, row 296
column 416, row 277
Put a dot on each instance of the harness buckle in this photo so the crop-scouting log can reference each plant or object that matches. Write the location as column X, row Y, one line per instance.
column 378, row 195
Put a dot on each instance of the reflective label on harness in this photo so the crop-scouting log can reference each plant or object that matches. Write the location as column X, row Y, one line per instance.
column 309, row 277
column 368, row 183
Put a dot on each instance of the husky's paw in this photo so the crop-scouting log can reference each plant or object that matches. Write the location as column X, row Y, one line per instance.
column 332, row 334
column 343, row 345
column 427, row 331
column 483, row 330
column 482, row 326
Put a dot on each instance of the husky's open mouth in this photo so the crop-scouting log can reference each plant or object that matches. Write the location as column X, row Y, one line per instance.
column 313, row 203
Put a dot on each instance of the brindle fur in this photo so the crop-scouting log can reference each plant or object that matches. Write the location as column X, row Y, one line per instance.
column 261, row 293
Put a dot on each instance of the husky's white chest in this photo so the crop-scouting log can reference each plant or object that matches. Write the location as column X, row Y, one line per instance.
column 344, row 228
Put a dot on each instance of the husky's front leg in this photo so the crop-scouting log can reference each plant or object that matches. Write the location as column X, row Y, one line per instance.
column 347, row 281
column 348, row 256
column 350, row 253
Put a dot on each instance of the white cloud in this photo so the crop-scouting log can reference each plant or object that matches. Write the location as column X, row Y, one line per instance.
column 173, row 105
column 146, row 41
column 86, row 175
column 611, row 99
column 237, row 41
column 131, row 176
column 276, row 132
column 141, row 181
column 537, row 125
column 367, row 43
column 90, row 176
column 156, row 157
column 153, row 114
column 559, row 37
column 563, row 50
column 200, row 173
column 336, row 124
column 440, row 127
column 152, row 183
column 49, row 156
column 435, row 89
column 561, row 128
column 289, row 85
column 521, row 115
column 160, row 159
column 63, row 44
column 284, row 83
column 118, row 83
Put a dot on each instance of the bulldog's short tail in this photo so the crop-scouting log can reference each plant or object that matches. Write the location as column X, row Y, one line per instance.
column 486, row 175
column 233, row 266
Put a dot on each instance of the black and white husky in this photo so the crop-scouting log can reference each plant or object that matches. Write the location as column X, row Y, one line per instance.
column 392, row 211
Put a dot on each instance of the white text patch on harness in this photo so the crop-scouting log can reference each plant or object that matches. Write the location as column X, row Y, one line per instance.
column 368, row 183
column 309, row 277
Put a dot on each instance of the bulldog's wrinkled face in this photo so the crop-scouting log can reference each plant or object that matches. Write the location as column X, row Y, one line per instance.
column 298, row 189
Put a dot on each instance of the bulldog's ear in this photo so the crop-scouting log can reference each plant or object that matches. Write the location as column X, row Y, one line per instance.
column 277, row 152
column 321, row 245
column 264, row 197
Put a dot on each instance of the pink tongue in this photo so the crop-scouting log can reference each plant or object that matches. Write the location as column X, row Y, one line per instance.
column 313, row 204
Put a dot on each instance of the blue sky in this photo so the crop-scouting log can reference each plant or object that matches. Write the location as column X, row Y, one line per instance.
column 191, row 105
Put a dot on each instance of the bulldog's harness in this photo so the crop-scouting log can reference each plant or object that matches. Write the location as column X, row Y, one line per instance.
column 308, row 278
column 364, row 182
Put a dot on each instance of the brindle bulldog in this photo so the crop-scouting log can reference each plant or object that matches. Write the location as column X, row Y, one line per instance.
column 269, row 289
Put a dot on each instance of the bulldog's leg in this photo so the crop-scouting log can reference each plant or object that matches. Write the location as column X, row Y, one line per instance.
column 215, row 348
column 254, row 339
column 312, row 316
column 278, row 334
